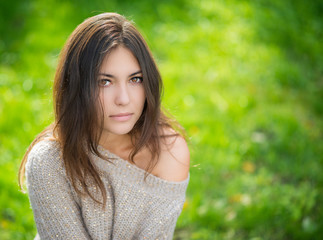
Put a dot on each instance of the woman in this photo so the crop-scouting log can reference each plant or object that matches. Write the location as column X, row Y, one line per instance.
column 111, row 166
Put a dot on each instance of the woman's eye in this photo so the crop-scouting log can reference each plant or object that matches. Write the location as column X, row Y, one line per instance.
column 104, row 82
column 136, row 80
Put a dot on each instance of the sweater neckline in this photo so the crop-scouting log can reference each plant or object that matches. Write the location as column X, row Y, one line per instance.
column 137, row 169
column 129, row 174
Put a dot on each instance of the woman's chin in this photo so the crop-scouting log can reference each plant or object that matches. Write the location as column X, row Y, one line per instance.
column 118, row 131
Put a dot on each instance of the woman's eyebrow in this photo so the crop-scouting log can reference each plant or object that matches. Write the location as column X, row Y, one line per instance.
column 111, row 76
column 132, row 74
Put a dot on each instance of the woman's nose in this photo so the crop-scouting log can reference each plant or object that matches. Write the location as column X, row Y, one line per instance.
column 122, row 96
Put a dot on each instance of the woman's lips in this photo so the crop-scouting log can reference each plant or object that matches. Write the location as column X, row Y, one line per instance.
column 121, row 117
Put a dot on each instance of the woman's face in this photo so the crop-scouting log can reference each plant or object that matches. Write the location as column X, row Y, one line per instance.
column 121, row 91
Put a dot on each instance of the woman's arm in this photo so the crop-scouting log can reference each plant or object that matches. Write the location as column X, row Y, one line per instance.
column 56, row 213
column 174, row 160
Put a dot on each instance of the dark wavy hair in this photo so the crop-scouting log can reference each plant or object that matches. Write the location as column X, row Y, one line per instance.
column 78, row 121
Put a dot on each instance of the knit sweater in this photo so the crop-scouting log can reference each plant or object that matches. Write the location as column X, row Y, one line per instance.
column 135, row 209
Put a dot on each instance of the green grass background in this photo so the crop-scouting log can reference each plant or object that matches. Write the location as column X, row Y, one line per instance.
column 245, row 78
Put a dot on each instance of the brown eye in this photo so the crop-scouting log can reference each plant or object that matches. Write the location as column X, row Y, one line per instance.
column 104, row 82
column 136, row 80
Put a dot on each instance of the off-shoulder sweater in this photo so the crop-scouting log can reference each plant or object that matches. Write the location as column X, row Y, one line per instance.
column 136, row 208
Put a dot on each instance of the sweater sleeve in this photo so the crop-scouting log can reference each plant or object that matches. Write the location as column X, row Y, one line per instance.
column 57, row 214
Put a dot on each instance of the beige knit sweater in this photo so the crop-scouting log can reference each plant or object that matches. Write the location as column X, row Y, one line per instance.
column 135, row 209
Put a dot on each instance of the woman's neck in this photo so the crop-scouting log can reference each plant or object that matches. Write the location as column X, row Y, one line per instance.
column 116, row 143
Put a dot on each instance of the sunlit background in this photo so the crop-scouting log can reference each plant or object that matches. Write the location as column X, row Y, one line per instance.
column 245, row 79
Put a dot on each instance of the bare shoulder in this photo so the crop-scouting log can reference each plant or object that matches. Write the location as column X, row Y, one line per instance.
column 174, row 160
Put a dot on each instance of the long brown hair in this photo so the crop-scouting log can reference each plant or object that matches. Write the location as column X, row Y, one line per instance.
column 77, row 121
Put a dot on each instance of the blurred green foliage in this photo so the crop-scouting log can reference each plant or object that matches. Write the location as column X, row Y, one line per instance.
column 245, row 78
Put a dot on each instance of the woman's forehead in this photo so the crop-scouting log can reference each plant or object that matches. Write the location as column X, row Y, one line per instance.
column 120, row 59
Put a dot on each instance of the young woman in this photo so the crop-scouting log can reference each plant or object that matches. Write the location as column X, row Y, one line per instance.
column 112, row 165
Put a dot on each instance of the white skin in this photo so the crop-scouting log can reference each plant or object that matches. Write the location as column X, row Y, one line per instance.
column 122, row 96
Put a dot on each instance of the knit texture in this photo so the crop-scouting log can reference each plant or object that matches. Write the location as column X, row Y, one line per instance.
column 135, row 209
